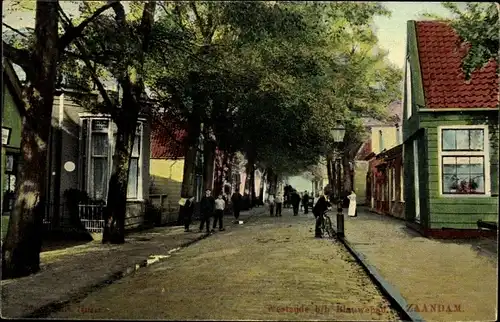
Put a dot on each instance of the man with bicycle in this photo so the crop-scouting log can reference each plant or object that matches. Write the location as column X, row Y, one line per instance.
column 320, row 207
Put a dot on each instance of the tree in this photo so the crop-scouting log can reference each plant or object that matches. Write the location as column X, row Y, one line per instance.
column 117, row 47
column 38, row 59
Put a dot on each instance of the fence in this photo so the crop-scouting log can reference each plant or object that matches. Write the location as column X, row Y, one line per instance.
column 92, row 217
column 63, row 217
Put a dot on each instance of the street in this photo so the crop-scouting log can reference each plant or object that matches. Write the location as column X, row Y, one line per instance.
column 269, row 268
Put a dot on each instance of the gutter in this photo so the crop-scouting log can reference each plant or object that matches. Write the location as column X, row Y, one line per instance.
column 391, row 293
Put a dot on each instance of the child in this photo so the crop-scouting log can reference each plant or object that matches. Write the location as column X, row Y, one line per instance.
column 220, row 205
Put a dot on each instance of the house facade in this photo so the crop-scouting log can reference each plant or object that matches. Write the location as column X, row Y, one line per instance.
column 450, row 133
column 12, row 108
column 81, row 161
column 383, row 175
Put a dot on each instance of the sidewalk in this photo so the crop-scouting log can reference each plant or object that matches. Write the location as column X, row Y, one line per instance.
column 71, row 273
column 461, row 275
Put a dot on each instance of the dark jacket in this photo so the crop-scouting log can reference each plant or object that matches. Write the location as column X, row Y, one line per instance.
column 321, row 206
column 188, row 208
column 207, row 205
column 305, row 199
column 295, row 198
column 236, row 200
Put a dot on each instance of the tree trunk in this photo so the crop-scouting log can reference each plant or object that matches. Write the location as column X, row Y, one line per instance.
column 116, row 207
column 208, row 163
column 347, row 176
column 126, row 121
column 262, row 182
column 190, row 156
column 330, row 167
column 21, row 250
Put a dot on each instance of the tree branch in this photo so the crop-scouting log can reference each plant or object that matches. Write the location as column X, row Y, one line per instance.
column 199, row 20
column 21, row 57
column 15, row 30
column 67, row 24
column 74, row 32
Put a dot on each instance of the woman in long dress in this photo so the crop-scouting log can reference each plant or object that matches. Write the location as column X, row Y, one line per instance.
column 352, row 204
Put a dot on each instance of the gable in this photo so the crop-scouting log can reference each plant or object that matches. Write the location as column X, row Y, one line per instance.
column 444, row 83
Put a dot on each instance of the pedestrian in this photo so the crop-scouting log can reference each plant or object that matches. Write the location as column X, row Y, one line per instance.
column 279, row 204
column 305, row 202
column 353, row 212
column 236, row 201
column 295, row 199
column 188, row 213
column 319, row 208
column 220, row 205
column 270, row 200
column 207, row 207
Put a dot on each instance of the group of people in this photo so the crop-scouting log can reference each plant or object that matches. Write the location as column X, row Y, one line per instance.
column 276, row 202
column 211, row 207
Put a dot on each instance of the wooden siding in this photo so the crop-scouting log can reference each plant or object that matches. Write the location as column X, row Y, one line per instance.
column 460, row 212
column 409, row 179
column 411, row 125
column 166, row 178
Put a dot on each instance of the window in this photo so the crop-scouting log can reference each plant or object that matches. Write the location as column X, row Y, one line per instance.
column 409, row 103
column 97, row 143
column 464, row 161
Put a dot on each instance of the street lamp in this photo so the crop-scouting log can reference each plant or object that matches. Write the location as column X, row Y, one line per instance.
column 338, row 134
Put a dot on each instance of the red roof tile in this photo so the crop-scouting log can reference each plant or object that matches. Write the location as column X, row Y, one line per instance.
column 443, row 80
column 163, row 144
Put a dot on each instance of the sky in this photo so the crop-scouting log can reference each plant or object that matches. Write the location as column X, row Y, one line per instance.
column 390, row 31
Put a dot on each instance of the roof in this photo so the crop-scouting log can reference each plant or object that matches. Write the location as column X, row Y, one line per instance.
column 365, row 150
column 394, row 113
column 444, row 83
column 166, row 142
column 391, row 153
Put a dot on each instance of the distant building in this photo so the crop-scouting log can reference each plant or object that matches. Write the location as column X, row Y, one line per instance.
column 372, row 184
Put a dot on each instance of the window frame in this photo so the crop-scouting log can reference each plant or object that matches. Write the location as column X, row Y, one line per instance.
column 85, row 161
column 485, row 153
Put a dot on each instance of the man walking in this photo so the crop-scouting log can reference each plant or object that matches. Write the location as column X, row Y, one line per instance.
column 270, row 200
column 188, row 213
column 305, row 202
column 236, row 201
column 220, row 205
column 279, row 204
column 295, row 199
column 207, row 206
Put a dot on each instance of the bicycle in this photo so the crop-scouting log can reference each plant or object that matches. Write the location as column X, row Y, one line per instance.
column 326, row 226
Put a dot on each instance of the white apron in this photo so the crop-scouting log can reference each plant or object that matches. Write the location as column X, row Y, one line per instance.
column 352, row 205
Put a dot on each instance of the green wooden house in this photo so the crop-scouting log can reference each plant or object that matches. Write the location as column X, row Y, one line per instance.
column 450, row 134
column 12, row 109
